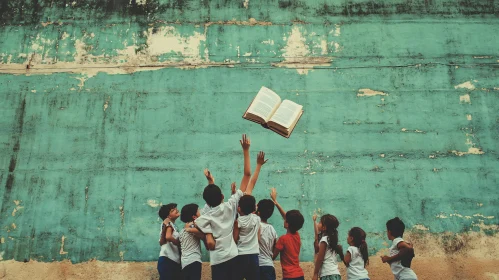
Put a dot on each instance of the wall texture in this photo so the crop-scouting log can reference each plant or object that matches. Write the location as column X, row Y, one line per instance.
column 111, row 107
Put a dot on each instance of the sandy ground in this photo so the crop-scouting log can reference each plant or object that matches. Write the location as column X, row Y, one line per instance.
column 444, row 256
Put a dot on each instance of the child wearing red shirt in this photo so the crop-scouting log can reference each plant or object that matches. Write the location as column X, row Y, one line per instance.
column 289, row 244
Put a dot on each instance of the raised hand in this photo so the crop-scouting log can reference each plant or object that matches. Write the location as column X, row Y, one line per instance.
column 314, row 217
column 261, row 158
column 273, row 195
column 245, row 142
column 209, row 176
column 233, row 187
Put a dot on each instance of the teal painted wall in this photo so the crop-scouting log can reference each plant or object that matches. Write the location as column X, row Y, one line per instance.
column 125, row 102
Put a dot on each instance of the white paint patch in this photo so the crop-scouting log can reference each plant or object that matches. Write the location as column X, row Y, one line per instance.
column 382, row 155
column 465, row 99
column 324, row 47
column 153, row 203
column 268, row 42
column 421, row 227
column 18, row 207
column 466, row 85
column 2, row 240
column 336, row 31
column 106, row 104
column 1, row 255
column 404, row 130
column 168, row 40
column 64, row 36
column 471, row 151
column 482, row 216
column 82, row 81
column 13, row 226
column 441, row 216
column 246, row 4
column 247, row 54
column 369, row 92
column 468, row 117
column 33, row 90
column 62, row 252
column 139, row 2
column 122, row 255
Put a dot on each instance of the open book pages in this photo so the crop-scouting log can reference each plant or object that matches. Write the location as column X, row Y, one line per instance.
column 286, row 117
column 264, row 105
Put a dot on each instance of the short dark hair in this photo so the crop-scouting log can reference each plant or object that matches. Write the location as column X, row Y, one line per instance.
column 212, row 195
column 247, row 203
column 164, row 210
column 265, row 209
column 396, row 227
column 295, row 220
column 188, row 211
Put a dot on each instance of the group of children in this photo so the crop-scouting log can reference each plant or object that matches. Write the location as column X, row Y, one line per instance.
column 242, row 245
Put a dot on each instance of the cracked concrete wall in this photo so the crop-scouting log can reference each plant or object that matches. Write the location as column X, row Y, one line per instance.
column 110, row 108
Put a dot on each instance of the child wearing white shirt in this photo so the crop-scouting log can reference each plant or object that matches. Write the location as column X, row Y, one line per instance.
column 169, row 255
column 326, row 263
column 268, row 239
column 357, row 256
column 401, row 252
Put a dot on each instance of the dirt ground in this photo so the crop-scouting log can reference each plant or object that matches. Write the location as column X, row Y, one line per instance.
column 472, row 256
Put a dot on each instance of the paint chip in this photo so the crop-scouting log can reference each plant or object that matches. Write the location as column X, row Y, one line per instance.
column 468, row 117
column 421, row 227
column 369, row 92
column 471, row 151
column 246, row 4
column 466, row 85
column 465, row 99
column 153, row 203
column 62, row 252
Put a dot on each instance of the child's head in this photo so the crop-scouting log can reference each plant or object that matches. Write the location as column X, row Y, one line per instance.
column 247, row 205
column 169, row 211
column 395, row 228
column 328, row 224
column 213, row 195
column 357, row 238
column 265, row 209
column 189, row 213
column 294, row 221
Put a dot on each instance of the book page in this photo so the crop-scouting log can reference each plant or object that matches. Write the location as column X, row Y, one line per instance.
column 287, row 113
column 264, row 104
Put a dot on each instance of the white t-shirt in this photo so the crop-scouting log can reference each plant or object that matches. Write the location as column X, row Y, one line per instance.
column 399, row 271
column 169, row 249
column 356, row 269
column 219, row 221
column 268, row 238
column 330, row 264
column 190, row 247
column 248, row 234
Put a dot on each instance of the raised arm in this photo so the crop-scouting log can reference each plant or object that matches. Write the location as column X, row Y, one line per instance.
column 316, row 234
column 273, row 196
column 245, row 144
column 209, row 176
column 235, row 232
column 260, row 160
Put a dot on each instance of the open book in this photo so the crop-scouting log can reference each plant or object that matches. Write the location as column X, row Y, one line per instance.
column 268, row 110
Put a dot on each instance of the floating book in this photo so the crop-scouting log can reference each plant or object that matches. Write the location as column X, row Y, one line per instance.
column 268, row 110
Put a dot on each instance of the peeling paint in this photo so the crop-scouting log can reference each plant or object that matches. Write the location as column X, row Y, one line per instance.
column 421, row 227
column 468, row 117
column 246, row 4
column 369, row 92
column 153, row 203
column 62, row 252
column 466, row 85
column 465, row 99
column 471, row 151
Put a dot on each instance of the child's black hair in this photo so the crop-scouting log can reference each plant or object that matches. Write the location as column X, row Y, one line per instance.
column 247, row 204
column 359, row 241
column 295, row 220
column 164, row 210
column 188, row 211
column 396, row 227
column 331, row 223
column 265, row 209
column 212, row 195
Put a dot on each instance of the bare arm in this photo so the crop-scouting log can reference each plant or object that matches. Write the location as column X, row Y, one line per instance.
column 273, row 196
column 320, row 259
column 235, row 232
column 210, row 242
column 275, row 253
column 260, row 160
column 197, row 233
column 347, row 259
column 209, row 176
column 316, row 234
column 162, row 240
column 169, row 236
column 406, row 251
column 245, row 144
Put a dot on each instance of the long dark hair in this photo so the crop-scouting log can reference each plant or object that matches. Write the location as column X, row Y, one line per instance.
column 331, row 224
column 359, row 241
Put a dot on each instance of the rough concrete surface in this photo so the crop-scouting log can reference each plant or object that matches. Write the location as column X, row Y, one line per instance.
column 110, row 108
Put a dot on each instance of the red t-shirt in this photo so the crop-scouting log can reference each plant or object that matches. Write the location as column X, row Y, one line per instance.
column 289, row 247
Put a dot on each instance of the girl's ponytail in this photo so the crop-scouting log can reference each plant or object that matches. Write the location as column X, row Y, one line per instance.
column 364, row 252
column 331, row 223
column 359, row 240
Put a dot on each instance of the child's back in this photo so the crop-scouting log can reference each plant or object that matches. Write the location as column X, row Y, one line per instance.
column 249, row 226
column 357, row 256
column 268, row 238
column 356, row 269
column 289, row 246
column 401, row 253
column 398, row 270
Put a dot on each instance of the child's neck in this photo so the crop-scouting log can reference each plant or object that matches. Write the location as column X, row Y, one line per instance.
column 265, row 222
column 288, row 231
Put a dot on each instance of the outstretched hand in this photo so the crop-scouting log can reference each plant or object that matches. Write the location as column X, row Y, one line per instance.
column 273, row 195
column 209, row 176
column 233, row 187
column 314, row 217
column 245, row 142
column 385, row 259
column 260, row 159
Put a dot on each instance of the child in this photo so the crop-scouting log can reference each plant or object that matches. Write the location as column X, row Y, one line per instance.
column 326, row 265
column 218, row 218
column 247, row 231
column 401, row 252
column 289, row 244
column 169, row 256
column 189, row 243
column 357, row 256
column 268, row 238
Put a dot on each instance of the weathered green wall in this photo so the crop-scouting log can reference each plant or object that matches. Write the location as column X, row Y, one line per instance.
column 126, row 101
